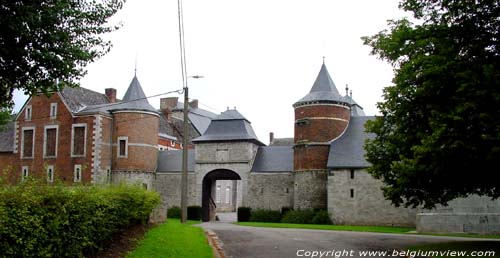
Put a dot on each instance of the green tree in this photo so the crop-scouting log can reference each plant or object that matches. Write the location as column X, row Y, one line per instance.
column 48, row 41
column 439, row 134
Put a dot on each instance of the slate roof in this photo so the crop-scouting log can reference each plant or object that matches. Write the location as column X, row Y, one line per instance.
column 200, row 119
column 348, row 150
column 230, row 125
column 282, row 142
column 323, row 89
column 171, row 161
column 134, row 98
column 273, row 159
column 79, row 98
column 7, row 138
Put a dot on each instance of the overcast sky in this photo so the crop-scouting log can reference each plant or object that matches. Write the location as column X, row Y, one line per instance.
column 259, row 56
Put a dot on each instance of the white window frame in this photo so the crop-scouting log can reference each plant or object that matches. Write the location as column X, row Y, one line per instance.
column 50, row 177
column 25, row 171
column 228, row 192
column 77, row 168
column 45, row 140
column 73, row 139
column 28, row 113
column 118, row 147
column 33, row 142
column 53, row 106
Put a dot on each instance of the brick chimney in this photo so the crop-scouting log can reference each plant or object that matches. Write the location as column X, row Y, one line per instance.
column 111, row 94
column 193, row 103
column 168, row 103
column 271, row 137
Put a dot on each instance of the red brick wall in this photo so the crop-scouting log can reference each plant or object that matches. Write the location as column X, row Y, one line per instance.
column 317, row 124
column 63, row 163
column 141, row 128
column 168, row 143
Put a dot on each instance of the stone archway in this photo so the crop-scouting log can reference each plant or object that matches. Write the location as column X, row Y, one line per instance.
column 208, row 183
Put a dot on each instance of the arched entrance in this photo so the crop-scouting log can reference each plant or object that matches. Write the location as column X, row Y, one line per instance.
column 208, row 190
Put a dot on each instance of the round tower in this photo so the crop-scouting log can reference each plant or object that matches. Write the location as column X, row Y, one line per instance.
column 135, row 137
column 320, row 117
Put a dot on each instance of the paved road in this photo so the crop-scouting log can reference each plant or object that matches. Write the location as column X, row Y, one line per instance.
column 253, row 242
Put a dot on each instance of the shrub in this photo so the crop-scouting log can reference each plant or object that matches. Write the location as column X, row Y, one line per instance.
column 58, row 221
column 194, row 213
column 243, row 214
column 299, row 217
column 322, row 217
column 265, row 216
column 285, row 210
column 174, row 212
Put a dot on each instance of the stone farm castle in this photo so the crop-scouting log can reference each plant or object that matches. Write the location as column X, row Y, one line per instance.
column 78, row 135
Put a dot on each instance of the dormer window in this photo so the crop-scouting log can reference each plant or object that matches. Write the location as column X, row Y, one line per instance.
column 28, row 113
column 53, row 110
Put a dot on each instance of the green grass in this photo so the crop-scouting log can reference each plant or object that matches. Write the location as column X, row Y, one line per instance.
column 378, row 229
column 468, row 247
column 173, row 239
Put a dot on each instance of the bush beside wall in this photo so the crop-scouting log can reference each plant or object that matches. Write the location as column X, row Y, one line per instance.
column 194, row 213
column 307, row 217
column 174, row 212
column 243, row 214
column 60, row 221
column 265, row 216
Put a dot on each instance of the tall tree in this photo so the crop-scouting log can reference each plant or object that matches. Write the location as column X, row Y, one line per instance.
column 439, row 134
column 48, row 41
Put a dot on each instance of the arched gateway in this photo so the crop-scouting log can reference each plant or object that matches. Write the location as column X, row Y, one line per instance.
column 208, row 190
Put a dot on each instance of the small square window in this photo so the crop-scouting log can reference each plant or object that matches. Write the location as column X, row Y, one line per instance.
column 50, row 173
column 53, row 110
column 77, row 173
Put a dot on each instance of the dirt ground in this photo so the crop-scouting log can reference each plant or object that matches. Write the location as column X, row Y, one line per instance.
column 123, row 242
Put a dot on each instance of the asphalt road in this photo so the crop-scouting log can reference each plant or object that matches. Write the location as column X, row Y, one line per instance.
column 254, row 242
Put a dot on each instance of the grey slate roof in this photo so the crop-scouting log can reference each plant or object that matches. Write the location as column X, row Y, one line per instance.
column 79, row 98
column 348, row 150
column 282, row 142
column 200, row 119
column 171, row 161
column 273, row 159
column 230, row 125
column 7, row 138
column 323, row 89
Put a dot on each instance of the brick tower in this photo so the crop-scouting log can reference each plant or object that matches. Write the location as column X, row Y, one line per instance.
column 135, row 137
column 320, row 117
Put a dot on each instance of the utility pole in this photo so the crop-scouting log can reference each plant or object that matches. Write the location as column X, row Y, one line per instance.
column 184, row 175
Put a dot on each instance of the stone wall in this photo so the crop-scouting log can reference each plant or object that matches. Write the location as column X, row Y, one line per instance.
column 310, row 189
column 360, row 201
column 169, row 187
column 271, row 191
column 474, row 214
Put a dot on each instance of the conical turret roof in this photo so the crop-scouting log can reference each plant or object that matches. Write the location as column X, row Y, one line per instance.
column 134, row 98
column 323, row 89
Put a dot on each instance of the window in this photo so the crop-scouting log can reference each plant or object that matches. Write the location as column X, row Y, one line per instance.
column 78, row 140
column 53, row 110
column 28, row 142
column 50, row 141
column 352, row 193
column 28, row 113
column 217, row 194
column 50, row 173
column 122, row 147
column 77, row 173
column 228, row 194
column 25, row 172
column 352, row 173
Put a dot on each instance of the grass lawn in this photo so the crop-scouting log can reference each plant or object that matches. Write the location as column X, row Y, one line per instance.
column 173, row 239
column 379, row 229
column 462, row 249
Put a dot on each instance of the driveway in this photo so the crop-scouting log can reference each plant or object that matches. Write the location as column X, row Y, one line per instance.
column 254, row 242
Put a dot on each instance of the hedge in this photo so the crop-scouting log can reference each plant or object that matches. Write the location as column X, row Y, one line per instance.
column 194, row 213
column 265, row 216
column 37, row 220
column 243, row 214
column 174, row 212
column 308, row 216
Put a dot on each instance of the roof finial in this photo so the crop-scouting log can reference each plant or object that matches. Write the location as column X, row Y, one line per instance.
column 351, row 94
column 346, row 89
column 324, row 59
column 135, row 68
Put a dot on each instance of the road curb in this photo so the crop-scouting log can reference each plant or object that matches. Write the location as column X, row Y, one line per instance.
column 215, row 243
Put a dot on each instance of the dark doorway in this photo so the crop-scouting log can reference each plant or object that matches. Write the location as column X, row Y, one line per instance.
column 208, row 189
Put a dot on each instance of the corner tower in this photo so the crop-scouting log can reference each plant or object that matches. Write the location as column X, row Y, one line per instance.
column 135, row 137
column 320, row 117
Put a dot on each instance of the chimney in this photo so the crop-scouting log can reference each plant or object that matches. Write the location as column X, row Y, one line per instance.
column 271, row 137
column 193, row 103
column 111, row 94
column 168, row 103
